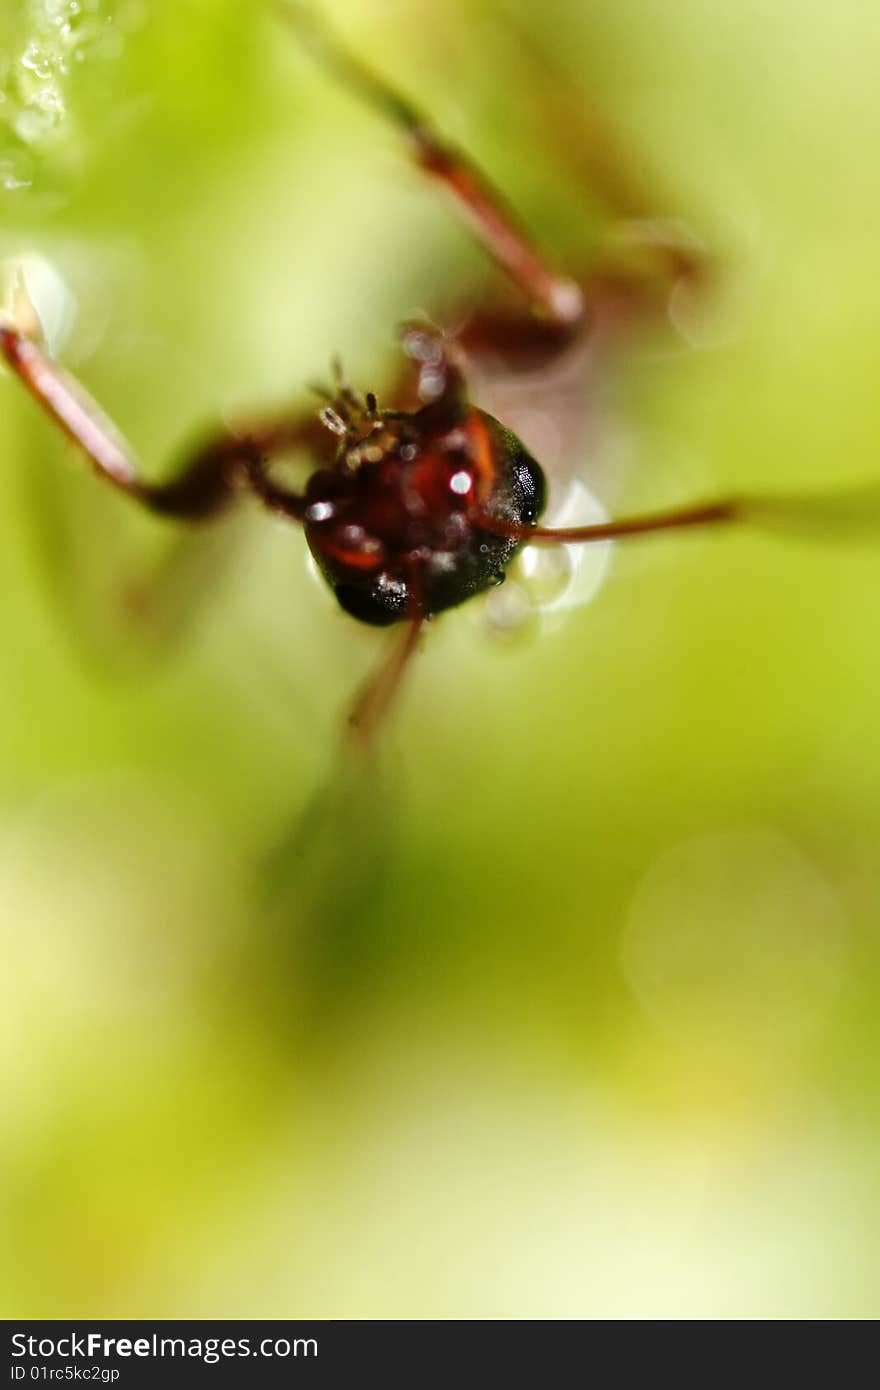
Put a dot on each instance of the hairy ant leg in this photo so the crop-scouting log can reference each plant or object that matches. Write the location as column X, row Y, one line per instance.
column 851, row 510
column 660, row 253
column 556, row 297
column 212, row 476
column 158, row 597
column 376, row 696
column 557, row 343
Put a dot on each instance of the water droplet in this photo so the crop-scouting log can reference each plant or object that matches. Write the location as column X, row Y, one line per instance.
column 36, row 60
column 15, row 172
column 32, row 125
column 33, row 97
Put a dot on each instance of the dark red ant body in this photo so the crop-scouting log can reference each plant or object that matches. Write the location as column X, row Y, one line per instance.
column 409, row 512
column 410, row 518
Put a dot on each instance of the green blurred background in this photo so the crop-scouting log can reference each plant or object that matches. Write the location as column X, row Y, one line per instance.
column 570, row 1008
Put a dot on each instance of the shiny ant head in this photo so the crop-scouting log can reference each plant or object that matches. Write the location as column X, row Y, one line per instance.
column 404, row 519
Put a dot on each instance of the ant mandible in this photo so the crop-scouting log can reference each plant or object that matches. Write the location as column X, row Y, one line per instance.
column 415, row 509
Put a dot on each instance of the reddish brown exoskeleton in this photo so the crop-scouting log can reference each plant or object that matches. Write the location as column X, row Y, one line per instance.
column 415, row 508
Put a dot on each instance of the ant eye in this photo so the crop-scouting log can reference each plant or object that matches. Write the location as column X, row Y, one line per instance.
column 380, row 605
column 461, row 482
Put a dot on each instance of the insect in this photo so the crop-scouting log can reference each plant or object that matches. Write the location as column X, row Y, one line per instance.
column 416, row 506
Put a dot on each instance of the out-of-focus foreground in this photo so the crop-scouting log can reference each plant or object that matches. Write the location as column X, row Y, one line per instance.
column 572, row 1009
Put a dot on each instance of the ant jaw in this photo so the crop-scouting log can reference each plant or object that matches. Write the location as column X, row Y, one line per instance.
column 394, row 434
column 346, row 413
column 441, row 392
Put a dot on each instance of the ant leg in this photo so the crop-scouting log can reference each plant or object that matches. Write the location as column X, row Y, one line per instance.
column 854, row 509
column 678, row 518
column 210, row 479
column 602, row 163
column 633, row 279
column 377, row 695
column 661, row 253
column 495, row 224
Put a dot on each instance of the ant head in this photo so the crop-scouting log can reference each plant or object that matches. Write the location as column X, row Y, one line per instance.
column 406, row 515
column 421, row 509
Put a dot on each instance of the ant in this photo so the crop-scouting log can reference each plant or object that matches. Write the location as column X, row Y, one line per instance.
column 414, row 509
